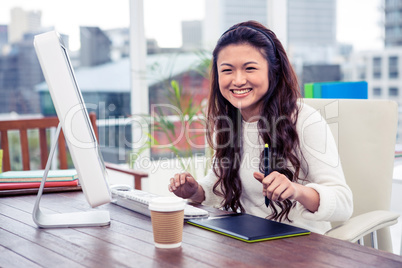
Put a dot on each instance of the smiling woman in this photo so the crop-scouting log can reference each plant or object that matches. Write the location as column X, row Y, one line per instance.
column 254, row 101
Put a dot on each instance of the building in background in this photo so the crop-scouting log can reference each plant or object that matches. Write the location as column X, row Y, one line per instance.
column 3, row 37
column 306, row 28
column 382, row 70
column 19, row 73
column 19, row 66
column 312, row 45
column 8, row 82
column 23, row 22
column 191, row 35
column 321, row 73
column 29, row 75
column 95, row 46
column 312, row 30
column 222, row 14
column 393, row 23
column 120, row 46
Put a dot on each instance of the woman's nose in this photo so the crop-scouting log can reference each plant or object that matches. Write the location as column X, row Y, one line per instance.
column 239, row 79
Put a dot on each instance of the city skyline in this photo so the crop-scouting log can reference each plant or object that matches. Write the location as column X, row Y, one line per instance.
column 67, row 19
column 162, row 19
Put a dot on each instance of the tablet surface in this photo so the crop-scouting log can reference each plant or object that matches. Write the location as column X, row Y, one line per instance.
column 249, row 228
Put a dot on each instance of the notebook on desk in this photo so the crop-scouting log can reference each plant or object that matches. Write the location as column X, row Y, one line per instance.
column 249, row 228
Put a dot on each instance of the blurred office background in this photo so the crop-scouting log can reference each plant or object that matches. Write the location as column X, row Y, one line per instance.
column 326, row 40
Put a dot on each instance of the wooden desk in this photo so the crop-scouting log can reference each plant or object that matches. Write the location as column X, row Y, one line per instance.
column 128, row 242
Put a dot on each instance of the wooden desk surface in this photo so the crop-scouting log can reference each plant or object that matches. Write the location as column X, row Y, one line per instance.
column 128, row 242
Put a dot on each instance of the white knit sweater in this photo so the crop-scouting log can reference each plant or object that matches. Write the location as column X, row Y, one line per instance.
column 324, row 174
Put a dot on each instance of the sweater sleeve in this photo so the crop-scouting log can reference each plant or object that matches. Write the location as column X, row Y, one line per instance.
column 207, row 183
column 324, row 169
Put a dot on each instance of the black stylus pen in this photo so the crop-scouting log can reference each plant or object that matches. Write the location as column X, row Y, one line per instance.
column 266, row 168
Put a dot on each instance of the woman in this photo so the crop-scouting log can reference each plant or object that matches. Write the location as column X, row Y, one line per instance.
column 254, row 101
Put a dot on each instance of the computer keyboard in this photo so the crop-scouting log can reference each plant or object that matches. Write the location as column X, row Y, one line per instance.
column 138, row 201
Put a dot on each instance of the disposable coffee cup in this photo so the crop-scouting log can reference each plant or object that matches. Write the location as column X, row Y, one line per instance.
column 167, row 216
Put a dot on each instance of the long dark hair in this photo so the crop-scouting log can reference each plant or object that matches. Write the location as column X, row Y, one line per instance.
column 276, row 126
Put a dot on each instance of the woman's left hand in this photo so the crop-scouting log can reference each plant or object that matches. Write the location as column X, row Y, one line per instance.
column 276, row 186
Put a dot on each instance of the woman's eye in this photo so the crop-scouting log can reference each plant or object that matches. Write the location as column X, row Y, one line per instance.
column 226, row 70
column 251, row 68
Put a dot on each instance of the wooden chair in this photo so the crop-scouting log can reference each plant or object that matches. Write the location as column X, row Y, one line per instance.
column 42, row 124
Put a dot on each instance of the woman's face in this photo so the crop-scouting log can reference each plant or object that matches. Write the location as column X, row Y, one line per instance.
column 243, row 78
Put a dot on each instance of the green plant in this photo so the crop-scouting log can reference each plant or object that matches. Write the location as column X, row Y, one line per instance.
column 165, row 126
column 172, row 126
column 204, row 65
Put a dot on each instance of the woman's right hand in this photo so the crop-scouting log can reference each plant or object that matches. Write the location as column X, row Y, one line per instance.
column 183, row 185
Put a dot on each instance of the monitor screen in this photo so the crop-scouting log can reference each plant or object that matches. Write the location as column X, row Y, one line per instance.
column 73, row 116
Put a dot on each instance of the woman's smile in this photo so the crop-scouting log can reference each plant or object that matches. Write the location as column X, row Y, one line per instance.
column 240, row 93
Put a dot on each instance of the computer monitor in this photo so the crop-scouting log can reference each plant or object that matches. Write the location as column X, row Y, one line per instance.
column 78, row 131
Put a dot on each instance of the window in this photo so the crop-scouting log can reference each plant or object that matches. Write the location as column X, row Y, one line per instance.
column 377, row 91
column 393, row 67
column 377, row 67
column 393, row 92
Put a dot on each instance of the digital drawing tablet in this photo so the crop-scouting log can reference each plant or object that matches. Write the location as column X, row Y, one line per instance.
column 249, row 228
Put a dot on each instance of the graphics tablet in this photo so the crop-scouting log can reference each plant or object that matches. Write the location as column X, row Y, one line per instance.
column 249, row 228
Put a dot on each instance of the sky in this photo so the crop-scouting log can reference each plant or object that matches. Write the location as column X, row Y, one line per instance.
column 359, row 23
column 358, row 20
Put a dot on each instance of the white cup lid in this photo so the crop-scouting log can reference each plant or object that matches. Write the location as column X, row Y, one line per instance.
column 170, row 203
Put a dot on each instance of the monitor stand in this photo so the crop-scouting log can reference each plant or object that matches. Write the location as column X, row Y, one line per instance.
column 75, row 219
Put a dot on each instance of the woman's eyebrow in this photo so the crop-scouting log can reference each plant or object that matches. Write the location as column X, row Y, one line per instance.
column 250, row 62
column 226, row 64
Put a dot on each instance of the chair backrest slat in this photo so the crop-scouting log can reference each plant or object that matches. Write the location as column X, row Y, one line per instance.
column 6, row 151
column 62, row 152
column 43, row 147
column 92, row 118
column 24, row 149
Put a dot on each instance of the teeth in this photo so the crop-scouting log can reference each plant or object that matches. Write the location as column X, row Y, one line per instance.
column 242, row 91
